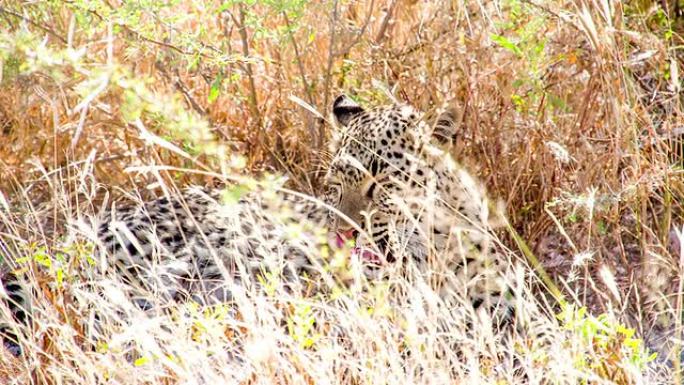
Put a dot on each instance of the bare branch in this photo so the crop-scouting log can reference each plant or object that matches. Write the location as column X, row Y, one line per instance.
column 366, row 22
column 242, row 30
column 302, row 74
column 300, row 65
column 328, row 72
column 33, row 23
column 382, row 32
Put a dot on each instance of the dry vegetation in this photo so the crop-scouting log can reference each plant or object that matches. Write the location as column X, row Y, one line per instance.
column 569, row 111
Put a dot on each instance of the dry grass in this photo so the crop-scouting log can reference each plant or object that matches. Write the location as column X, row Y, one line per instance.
column 570, row 112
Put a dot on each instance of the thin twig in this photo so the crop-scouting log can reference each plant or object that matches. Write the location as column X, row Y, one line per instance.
column 184, row 90
column 33, row 23
column 132, row 154
column 302, row 74
column 179, row 31
column 140, row 36
column 300, row 65
column 242, row 30
column 420, row 45
column 328, row 72
column 382, row 32
column 552, row 13
column 358, row 36
column 180, row 86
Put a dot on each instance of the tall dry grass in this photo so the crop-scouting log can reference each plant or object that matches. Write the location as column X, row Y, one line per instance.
column 570, row 112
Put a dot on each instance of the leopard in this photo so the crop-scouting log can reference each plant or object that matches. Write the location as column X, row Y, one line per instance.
column 392, row 187
column 393, row 173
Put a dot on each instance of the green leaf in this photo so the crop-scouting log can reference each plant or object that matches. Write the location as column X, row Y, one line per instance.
column 505, row 43
column 132, row 106
column 60, row 277
column 215, row 88
column 141, row 361
column 233, row 194
column 43, row 260
column 224, row 6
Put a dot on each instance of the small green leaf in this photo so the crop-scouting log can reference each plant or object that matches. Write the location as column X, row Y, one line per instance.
column 233, row 194
column 192, row 64
column 215, row 88
column 505, row 43
column 132, row 106
column 102, row 347
column 60, row 277
column 224, row 6
column 141, row 361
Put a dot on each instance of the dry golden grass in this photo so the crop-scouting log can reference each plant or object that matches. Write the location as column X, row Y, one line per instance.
column 570, row 112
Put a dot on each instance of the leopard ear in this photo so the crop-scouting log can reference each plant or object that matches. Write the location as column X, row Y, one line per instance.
column 444, row 126
column 345, row 109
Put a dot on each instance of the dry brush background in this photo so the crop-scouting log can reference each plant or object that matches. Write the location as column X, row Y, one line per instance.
column 569, row 111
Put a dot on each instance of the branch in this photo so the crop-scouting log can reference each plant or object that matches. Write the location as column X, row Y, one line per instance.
column 242, row 30
column 382, row 32
column 300, row 65
column 328, row 73
column 139, row 36
column 366, row 22
column 302, row 74
column 553, row 13
column 33, row 23
column 180, row 86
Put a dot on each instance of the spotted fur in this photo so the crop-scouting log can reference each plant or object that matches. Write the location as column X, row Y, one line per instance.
column 197, row 243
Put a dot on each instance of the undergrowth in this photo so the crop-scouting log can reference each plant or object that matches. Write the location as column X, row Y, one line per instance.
column 569, row 111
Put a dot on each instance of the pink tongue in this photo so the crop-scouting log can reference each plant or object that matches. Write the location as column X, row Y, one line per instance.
column 367, row 256
column 344, row 236
column 364, row 254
